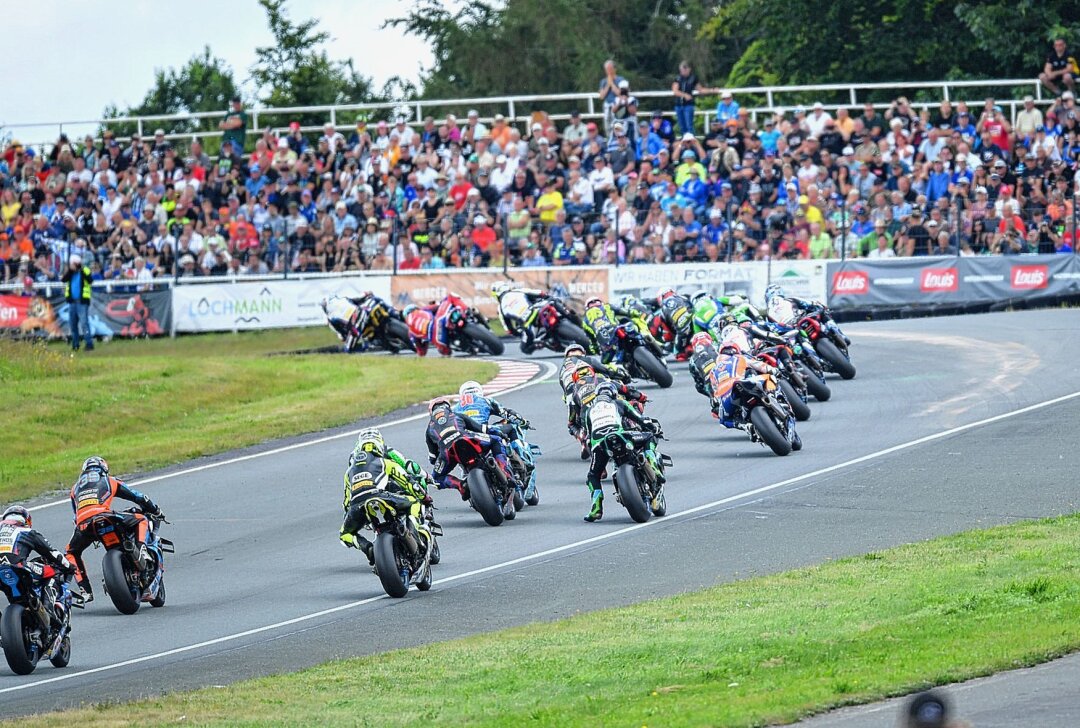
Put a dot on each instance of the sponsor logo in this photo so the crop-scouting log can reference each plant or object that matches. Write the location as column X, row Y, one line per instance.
column 241, row 310
column 1030, row 276
column 939, row 279
column 852, row 282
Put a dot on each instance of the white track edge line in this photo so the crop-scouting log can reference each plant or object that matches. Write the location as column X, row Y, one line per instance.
column 550, row 370
column 565, row 547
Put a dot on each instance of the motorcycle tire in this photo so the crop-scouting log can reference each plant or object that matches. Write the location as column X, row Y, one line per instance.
column 436, row 552
column 572, row 333
column 116, row 583
column 484, row 339
column 769, row 432
column 159, row 599
column 63, row 657
column 662, row 510
column 425, row 583
column 653, row 367
column 819, row 389
column 519, row 500
column 483, row 500
column 836, row 359
column 630, row 495
column 800, row 409
column 534, row 499
column 398, row 333
column 386, row 566
column 12, row 636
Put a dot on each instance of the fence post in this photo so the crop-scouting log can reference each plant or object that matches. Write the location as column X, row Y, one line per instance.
column 730, row 232
column 617, row 216
column 394, row 242
column 506, row 244
column 956, row 227
column 843, row 228
column 172, row 301
column 1074, row 225
column 288, row 258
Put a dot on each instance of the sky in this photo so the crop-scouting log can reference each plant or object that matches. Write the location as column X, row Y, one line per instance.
column 98, row 52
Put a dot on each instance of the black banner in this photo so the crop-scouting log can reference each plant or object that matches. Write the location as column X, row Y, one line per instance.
column 127, row 315
column 941, row 282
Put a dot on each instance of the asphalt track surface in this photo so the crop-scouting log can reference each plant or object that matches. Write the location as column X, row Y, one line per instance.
column 952, row 423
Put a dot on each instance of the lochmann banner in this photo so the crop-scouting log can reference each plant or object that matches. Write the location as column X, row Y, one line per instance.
column 950, row 281
column 116, row 313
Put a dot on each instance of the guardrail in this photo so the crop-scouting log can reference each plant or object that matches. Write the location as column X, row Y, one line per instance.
column 518, row 108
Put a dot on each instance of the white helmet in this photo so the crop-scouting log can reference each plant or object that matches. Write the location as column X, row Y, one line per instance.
column 472, row 388
column 499, row 287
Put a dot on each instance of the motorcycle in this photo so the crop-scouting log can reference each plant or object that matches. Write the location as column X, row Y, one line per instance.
column 550, row 328
column 376, row 321
column 762, row 408
column 632, row 351
column 829, row 342
column 36, row 624
column 637, row 485
column 403, row 558
column 791, row 381
column 468, row 331
column 522, row 458
column 490, row 492
column 128, row 582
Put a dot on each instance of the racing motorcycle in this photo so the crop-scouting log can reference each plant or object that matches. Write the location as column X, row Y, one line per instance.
column 549, row 327
column 36, row 624
column 128, row 582
column 828, row 341
column 638, row 478
column 468, row 331
column 638, row 356
column 522, row 458
column 376, row 321
column 403, row 557
column 792, row 382
column 762, row 407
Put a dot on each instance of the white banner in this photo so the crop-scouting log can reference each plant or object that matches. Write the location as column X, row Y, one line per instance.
column 802, row 278
column 244, row 306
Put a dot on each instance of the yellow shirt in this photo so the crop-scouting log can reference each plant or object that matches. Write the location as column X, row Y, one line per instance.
column 813, row 214
column 8, row 212
column 549, row 198
column 682, row 172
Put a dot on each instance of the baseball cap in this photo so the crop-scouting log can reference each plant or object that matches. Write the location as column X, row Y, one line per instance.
column 725, row 95
column 714, row 213
column 847, row 151
column 1067, row 95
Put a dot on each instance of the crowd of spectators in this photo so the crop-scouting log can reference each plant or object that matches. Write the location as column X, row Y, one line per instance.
column 629, row 187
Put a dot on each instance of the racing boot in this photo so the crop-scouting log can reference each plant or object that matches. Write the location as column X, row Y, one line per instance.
column 459, row 485
column 597, row 511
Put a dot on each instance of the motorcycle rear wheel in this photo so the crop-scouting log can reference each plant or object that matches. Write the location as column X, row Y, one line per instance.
column 800, row 409
column 386, row 566
column 572, row 333
column 484, row 339
column 819, row 389
column 19, row 659
column 769, row 432
column 116, row 583
column 630, row 495
column 653, row 367
column 839, row 363
column 398, row 333
column 483, row 500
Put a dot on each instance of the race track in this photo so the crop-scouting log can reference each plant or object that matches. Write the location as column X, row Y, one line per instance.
column 260, row 585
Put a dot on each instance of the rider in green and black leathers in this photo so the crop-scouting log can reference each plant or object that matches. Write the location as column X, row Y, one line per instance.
column 589, row 392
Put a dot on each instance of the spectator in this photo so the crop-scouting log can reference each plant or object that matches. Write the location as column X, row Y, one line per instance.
column 1060, row 67
column 1028, row 119
column 685, row 88
column 234, row 125
column 610, row 85
column 77, row 293
column 727, row 109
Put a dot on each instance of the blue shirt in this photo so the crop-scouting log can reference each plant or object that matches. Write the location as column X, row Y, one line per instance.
column 714, row 234
column 768, row 139
column 729, row 110
column 610, row 97
column 694, row 190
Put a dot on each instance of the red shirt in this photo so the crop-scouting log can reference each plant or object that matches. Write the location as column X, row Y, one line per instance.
column 483, row 237
column 459, row 193
column 411, row 264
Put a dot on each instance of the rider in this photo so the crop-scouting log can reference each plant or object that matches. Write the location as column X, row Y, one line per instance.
column 448, row 431
column 575, row 358
column 421, row 323
column 600, row 321
column 674, row 314
column 787, row 310
column 473, row 404
column 450, row 308
column 404, row 478
column 634, row 309
column 731, row 366
column 18, row 540
column 515, row 310
column 341, row 312
column 703, row 355
column 92, row 495
column 591, row 392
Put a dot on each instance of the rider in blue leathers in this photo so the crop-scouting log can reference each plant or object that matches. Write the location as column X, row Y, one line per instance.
column 473, row 404
column 783, row 312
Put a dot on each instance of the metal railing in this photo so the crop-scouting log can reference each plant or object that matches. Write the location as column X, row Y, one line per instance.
column 774, row 99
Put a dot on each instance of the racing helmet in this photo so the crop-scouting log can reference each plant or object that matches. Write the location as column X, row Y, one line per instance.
column 409, row 309
column 472, row 388
column 583, row 373
column 593, row 302
column 631, row 303
column 437, row 404
column 95, row 463
column 730, row 348
column 500, row 287
column 698, row 295
column 607, row 389
column 370, row 441
column 18, row 514
column 574, row 350
column 700, row 341
column 773, row 291
column 664, row 295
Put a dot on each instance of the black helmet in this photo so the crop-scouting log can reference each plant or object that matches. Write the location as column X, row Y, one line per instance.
column 574, row 350
column 606, row 389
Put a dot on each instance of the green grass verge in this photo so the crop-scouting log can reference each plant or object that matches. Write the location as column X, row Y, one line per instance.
column 770, row 649
column 145, row 404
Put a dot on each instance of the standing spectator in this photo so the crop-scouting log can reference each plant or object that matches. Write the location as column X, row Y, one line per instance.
column 1060, row 66
column 684, row 87
column 77, row 290
column 609, row 91
column 728, row 108
column 1029, row 119
column 234, row 125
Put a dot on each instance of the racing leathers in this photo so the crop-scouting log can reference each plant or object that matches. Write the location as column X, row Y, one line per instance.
column 517, row 312
column 566, row 380
column 480, row 409
column 600, row 322
column 450, row 308
column 702, row 361
column 93, row 494
column 421, row 323
column 675, row 316
column 449, row 435
column 729, row 369
column 404, row 479
column 17, row 542
column 785, row 311
column 341, row 313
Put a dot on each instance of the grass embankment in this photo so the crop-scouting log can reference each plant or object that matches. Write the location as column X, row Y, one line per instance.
column 145, row 404
column 748, row 653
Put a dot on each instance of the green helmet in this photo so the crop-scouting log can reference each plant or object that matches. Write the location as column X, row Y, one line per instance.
column 370, row 441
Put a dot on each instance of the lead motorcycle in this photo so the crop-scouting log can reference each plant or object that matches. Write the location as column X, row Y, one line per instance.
column 37, row 621
column 128, row 581
column 827, row 340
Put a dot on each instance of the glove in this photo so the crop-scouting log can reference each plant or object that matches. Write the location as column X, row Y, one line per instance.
column 773, row 371
column 642, row 398
column 347, row 540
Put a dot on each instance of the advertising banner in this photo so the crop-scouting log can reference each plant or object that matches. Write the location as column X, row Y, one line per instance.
column 264, row 304
column 128, row 315
column 950, row 281
column 802, row 278
column 30, row 316
column 572, row 284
